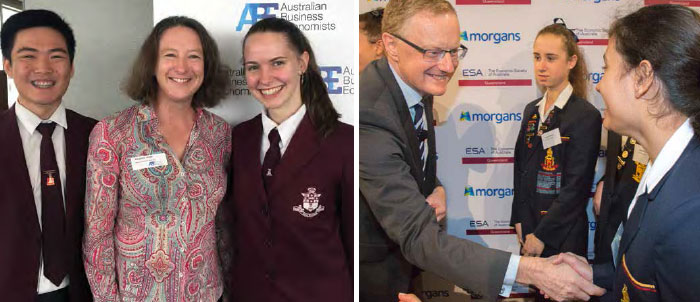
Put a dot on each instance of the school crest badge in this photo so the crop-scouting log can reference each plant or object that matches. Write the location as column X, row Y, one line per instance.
column 310, row 206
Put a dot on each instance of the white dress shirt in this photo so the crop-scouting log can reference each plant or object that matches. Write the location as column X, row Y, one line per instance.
column 286, row 130
column 27, row 122
column 560, row 102
column 668, row 156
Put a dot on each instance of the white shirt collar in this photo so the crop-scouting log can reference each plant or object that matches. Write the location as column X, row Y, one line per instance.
column 668, row 157
column 560, row 102
column 411, row 96
column 286, row 129
column 30, row 121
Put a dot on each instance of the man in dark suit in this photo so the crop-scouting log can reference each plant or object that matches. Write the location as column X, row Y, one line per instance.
column 623, row 170
column 398, row 184
column 42, row 182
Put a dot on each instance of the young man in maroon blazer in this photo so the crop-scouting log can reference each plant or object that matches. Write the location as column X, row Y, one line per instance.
column 42, row 180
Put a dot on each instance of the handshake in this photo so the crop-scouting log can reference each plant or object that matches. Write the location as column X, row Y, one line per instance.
column 564, row 277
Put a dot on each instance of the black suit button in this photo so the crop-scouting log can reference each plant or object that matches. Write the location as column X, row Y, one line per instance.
column 265, row 210
column 268, row 243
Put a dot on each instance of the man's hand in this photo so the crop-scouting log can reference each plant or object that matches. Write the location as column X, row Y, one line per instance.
column 408, row 298
column 560, row 281
column 437, row 201
column 598, row 197
column 533, row 246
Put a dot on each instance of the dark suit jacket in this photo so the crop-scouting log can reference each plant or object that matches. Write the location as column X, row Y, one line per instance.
column 20, row 233
column 281, row 255
column 550, row 201
column 658, row 258
column 398, row 228
column 616, row 198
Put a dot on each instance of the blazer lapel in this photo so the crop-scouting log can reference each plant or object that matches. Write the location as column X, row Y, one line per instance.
column 250, row 148
column 304, row 145
column 536, row 139
column 75, row 158
column 17, row 174
column 404, row 119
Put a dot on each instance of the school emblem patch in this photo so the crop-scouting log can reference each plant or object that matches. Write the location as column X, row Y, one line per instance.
column 549, row 164
column 310, row 206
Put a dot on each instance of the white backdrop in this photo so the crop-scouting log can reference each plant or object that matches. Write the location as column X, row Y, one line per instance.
column 326, row 23
column 479, row 117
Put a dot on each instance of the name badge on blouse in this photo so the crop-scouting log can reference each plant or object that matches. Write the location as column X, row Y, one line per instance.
column 149, row 161
column 551, row 139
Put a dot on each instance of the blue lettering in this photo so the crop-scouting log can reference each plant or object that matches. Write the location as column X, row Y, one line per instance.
column 328, row 73
column 251, row 13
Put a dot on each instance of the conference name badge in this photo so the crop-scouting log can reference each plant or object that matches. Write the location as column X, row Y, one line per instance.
column 149, row 161
column 310, row 206
column 551, row 138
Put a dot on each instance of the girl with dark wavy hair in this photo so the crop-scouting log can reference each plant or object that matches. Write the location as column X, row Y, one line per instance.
column 292, row 166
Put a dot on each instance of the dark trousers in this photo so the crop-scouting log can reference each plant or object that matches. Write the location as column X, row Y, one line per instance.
column 60, row 295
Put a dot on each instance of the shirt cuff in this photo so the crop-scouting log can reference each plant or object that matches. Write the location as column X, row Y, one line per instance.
column 509, row 278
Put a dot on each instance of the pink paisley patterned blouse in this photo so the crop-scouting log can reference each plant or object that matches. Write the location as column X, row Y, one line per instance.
column 149, row 233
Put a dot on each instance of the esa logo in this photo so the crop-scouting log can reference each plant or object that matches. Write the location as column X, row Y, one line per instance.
column 499, row 118
column 475, row 151
column 595, row 77
column 472, row 72
column 495, row 38
column 478, row 223
column 488, row 192
column 339, row 80
column 252, row 12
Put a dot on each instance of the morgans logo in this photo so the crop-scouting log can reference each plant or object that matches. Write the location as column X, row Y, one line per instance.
column 339, row 79
column 595, row 77
column 253, row 12
column 492, row 37
column 498, row 118
column 488, row 192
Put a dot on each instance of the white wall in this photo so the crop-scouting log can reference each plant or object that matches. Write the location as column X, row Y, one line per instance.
column 108, row 35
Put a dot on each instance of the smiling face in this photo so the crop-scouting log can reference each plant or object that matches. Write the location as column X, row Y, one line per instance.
column 552, row 63
column 40, row 67
column 428, row 31
column 272, row 71
column 180, row 65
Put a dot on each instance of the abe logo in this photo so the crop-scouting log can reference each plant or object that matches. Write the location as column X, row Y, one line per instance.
column 339, row 79
column 253, row 12
column 331, row 75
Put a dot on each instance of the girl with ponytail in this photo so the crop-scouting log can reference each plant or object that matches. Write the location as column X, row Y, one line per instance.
column 292, row 178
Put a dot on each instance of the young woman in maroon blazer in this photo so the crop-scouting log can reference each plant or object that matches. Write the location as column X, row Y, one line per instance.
column 292, row 178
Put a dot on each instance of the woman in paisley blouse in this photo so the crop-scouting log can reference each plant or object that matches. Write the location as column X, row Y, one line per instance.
column 292, row 188
column 157, row 173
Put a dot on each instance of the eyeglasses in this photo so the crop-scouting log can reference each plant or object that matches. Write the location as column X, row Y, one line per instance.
column 434, row 55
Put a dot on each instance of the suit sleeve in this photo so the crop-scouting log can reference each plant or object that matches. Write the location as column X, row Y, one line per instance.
column 347, row 207
column 395, row 200
column 677, row 255
column 517, row 209
column 100, row 210
column 580, row 159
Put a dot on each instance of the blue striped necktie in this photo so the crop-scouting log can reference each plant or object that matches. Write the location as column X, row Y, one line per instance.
column 421, row 133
